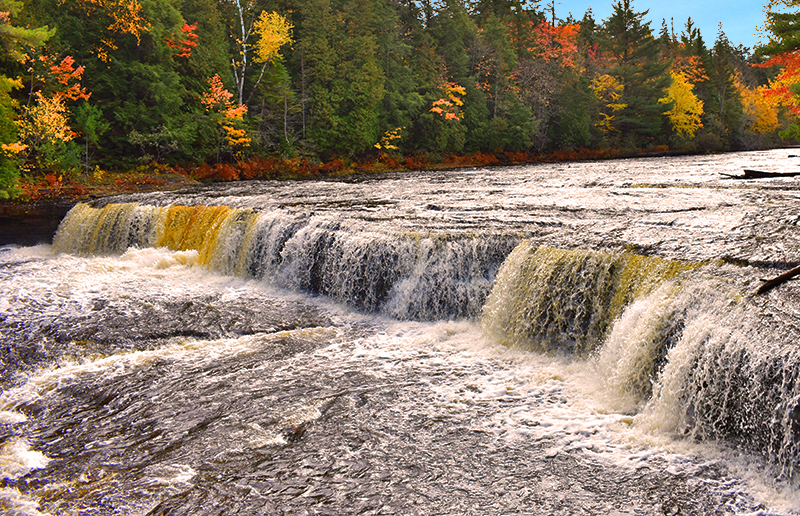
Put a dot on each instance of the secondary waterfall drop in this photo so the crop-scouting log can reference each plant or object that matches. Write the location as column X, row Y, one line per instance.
column 547, row 298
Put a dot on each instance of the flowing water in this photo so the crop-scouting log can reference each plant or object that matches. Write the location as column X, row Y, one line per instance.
column 550, row 340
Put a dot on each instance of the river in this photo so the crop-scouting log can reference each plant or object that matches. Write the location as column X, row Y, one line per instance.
column 554, row 339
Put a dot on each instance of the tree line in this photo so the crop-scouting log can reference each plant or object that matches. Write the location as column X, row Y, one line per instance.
column 93, row 84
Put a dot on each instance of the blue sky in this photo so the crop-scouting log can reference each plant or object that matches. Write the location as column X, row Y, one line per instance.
column 739, row 17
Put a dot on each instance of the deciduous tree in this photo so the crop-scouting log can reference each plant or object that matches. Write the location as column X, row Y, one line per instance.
column 608, row 91
column 15, row 42
column 228, row 115
column 686, row 111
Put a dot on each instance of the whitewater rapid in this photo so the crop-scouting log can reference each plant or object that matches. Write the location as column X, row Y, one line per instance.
column 561, row 339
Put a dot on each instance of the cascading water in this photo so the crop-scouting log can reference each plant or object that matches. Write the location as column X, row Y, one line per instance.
column 549, row 298
column 406, row 275
column 533, row 340
column 670, row 326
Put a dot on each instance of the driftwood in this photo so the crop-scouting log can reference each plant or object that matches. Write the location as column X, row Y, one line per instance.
column 760, row 174
column 774, row 282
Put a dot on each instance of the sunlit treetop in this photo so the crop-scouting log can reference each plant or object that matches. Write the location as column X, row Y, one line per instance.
column 556, row 43
column 274, row 31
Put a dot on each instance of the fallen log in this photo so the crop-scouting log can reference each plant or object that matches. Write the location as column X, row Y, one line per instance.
column 774, row 282
column 760, row 174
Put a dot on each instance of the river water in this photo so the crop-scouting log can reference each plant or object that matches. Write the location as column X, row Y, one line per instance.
column 556, row 339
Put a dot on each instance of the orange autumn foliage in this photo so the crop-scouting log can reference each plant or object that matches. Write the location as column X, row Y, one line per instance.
column 780, row 89
column 689, row 67
column 186, row 45
column 219, row 100
column 556, row 43
column 761, row 107
column 448, row 106
column 62, row 78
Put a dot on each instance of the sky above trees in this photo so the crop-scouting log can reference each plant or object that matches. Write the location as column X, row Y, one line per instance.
column 739, row 18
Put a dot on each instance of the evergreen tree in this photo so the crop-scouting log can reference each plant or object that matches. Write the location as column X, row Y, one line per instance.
column 572, row 125
column 636, row 56
column 724, row 109
column 345, row 81
column 454, row 32
column 784, row 29
column 399, row 30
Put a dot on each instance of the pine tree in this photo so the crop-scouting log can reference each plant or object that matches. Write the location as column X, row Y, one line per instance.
column 345, row 81
column 399, row 31
column 783, row 28
column 637, row 62
column 725, row 108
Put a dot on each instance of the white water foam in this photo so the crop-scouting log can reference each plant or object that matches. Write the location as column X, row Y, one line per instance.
column 14, row 503
column 18, row 459
column 562, row 402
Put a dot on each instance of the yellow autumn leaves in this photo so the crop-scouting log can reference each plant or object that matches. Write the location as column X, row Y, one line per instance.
column 686, row 107
column 608, row 91
column 274, row 31
column 46, row 120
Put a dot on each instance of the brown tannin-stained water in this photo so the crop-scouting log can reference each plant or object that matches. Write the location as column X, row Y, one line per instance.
column 549, row 340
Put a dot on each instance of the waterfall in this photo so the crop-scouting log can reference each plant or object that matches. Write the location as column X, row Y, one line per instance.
column 548, row 298
column 404, row 275
column 676, row 343
column 730, row 376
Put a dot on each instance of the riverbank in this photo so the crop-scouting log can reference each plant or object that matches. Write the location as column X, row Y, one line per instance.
column 34, row 217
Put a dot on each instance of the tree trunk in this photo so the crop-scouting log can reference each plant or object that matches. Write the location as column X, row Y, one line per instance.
column 774, row 282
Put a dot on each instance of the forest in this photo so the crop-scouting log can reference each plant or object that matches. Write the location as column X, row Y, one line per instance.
column 237, row 89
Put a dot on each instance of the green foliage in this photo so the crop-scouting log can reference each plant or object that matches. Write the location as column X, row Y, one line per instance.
column 723, row 101
column 403, row 100
column 354, row 71
column 572, row 128
column 454, row 32
column 628, row 38
column 784, row 28
column 439, row 134
column 346, row 83
column 477, row 121
column 9, row 160
column 279, row 112
column 15, row 40
column 513, row 129
column 792, row 132
column 59, row 157
column 91, row 125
